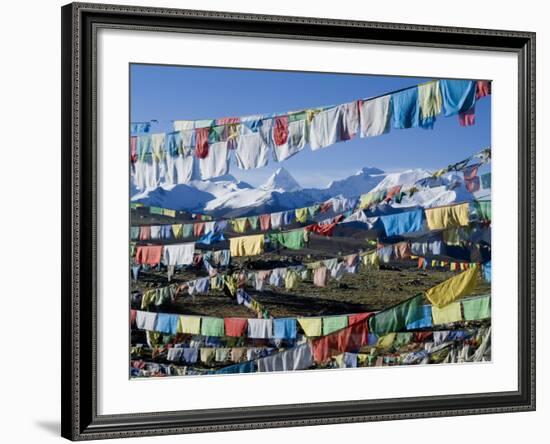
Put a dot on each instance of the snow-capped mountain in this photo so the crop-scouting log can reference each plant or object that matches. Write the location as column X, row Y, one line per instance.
column 405, row 178
column 361, row 182
column 266, row 198
column 191, row 196
column 227, row 197
column 281, row 191
column 281, row 180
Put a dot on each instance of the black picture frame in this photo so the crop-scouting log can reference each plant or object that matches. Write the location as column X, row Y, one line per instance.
column 80, row 23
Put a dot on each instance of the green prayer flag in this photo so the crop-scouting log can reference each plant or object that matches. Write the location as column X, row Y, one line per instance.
column 212, row 327
column 396, row 318
column 402, row 339
column 187, row 230
column 334, row 323
column 313, row 210
column 294, row 117
column 293, row 240
column 483, row 209
column 134, row 233
column 478, row 308
column 253, row 221
column 155, row 210
column 216, row 134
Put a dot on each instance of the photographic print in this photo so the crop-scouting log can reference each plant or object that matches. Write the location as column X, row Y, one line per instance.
column 294, row 221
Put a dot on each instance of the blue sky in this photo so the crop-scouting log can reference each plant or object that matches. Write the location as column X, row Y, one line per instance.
column 167, row 93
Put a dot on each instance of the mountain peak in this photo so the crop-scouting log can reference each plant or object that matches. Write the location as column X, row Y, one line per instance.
column 359, row 183
column 405, row 178
column 281, row 180
column 369, row 171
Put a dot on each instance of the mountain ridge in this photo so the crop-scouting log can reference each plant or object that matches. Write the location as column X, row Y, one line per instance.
column 228, row 197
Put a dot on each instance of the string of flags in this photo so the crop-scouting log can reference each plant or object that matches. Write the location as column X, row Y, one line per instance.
column 206, row 229
column 207, row 350
column 346, row 334
column 465, row 345
column 399, row 224
column 169, row 212
column 211, row 232
column 409, row 314
column 169, row 158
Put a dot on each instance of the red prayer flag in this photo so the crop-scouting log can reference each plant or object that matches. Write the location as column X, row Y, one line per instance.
column 235, row 327
column 280, row 131
column 144, row 233
column 227, row 120
column 358, row 317
column 198, row 228
column 392, row 192
column 148, row 254
column 265, row 222
column 470, row 172
column 133, row 149
column 472, row 185
column 351, row 338
column 467, row 118
column 201, row 142
column 483, row 88
column 324, row 229
column 133, row 315
column 422, row 336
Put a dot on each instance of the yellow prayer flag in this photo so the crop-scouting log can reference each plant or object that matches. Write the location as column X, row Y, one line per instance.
column 291, row 280
column 386, row 341
column 232, row 283
column 189, row 324
column 311, row 326
column 311, row 113
column 246, row 245
column 365, row 200
column 362, row 359
column 370, row 259
column 340, row 360
column 453, row 288
column 177, row 230
column 429, row 99
column 313, row 265
column 301, row 215
column 216, row 283
column 207, row 354
column 448, row 314
column 239, row 225
column 447, row 217
column 148, row 298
